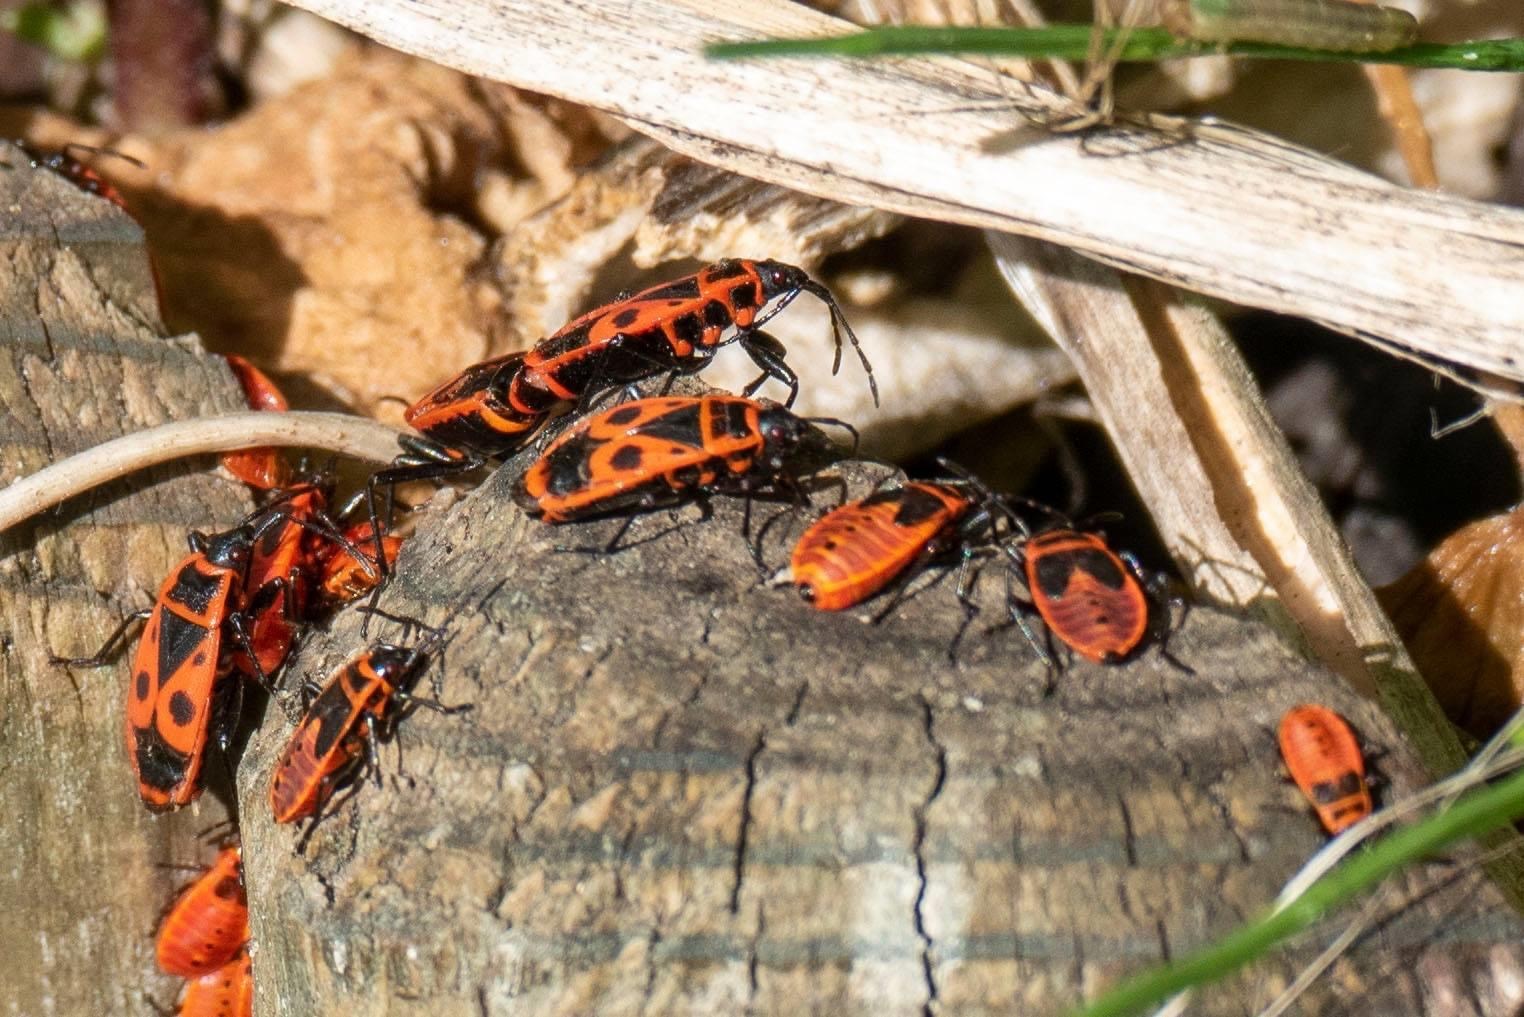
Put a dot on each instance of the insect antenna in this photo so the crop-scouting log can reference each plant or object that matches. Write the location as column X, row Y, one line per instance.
column 837, row 422
column 839, row 325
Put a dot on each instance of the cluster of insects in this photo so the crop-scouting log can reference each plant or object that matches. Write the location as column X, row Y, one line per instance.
column 204, row 937
column 230, row 612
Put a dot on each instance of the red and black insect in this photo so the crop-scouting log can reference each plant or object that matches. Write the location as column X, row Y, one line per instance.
column 180, row 674
column 495, row 407
column 1088, row 596
column 294, row 563
column 336, row 738
column 1096, row 601
column 856, row 550
column 650, row 452
column 675, row 327
column 1325, row 761
column 226, row 992
column 284, row 564
column 461, row 424
column 208, row 923
column 66, row 165
column 262, row 468
column 472, row 412
column 345, row 575
column 181, row 689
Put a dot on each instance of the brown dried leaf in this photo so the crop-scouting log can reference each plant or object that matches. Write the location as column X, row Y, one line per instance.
column 1460, row 613
column 335, row 233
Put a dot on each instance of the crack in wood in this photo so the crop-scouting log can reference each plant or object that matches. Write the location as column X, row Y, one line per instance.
column 745, row 831
column 918, row 848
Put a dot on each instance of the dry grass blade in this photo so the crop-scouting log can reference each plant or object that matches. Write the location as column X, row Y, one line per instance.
column 1227, row 212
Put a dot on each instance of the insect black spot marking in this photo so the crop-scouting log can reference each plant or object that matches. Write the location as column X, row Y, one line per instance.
column 728, row 269
column 565, row 466
column 744, row 295
column 734, row 423
column 1100, row 567
column 181, row 639
column 181, row 710
column 159, row 766
column 624, row 415
column 196, row 589
column 560, row 345
column 1053, row 575
column 679, row 425
column 141, row 685
column 627, row 457
column 626, row 317
column 688, row 329
column 199, row 659
column 716, row 314
column 917, row 506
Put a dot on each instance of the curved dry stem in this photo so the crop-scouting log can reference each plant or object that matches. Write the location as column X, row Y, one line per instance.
column 358, row 437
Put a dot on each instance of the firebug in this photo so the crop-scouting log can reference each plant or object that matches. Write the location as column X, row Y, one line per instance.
column 1325, row 761
column 262, row 468
column 208, row 923
column 675, row 326
column 649, row 452
column 856, row 550
column 336, row 738
column 226, row 992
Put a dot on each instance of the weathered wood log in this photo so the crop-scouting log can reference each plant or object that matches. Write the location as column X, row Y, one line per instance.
column 682, row 790
column 82, row 864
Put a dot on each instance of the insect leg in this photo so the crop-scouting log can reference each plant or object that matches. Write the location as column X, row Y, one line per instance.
column 768, row 353
column 1019, row 610
column 109, row 649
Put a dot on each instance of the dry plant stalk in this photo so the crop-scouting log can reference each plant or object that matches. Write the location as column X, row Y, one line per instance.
column 1224, row 490
column 1394, row 97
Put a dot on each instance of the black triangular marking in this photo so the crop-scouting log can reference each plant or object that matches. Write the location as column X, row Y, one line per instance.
column 178, row 639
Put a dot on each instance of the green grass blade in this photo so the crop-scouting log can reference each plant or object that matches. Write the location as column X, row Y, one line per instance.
column 1073, row 42
column 76, row 32
column 1479, row 813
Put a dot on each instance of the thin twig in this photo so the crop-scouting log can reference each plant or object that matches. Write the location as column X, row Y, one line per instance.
column 341, row 433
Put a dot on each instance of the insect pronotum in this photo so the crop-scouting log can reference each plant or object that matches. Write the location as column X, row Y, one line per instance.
column 1310, row 24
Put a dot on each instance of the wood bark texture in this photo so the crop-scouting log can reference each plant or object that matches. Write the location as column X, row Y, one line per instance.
column 1212, row 208
column 683, row 791
column 83, row 866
